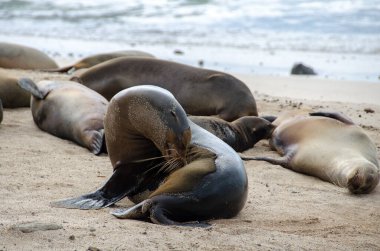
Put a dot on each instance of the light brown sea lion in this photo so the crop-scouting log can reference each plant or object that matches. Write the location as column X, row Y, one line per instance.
column 90, row 61
column 16, row 56
column 12, row 95
column 69, row 111
column 199, row 91
column 326, row 145
column 176, row 171
column 241, row 134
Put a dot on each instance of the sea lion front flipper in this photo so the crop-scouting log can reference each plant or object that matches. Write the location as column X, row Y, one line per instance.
column 96, row 141
column 282, row 161
column 30, row 86
column 116, row 188
column 334, row 115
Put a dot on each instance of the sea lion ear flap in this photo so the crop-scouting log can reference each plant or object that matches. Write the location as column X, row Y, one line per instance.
column 30, row 86
column 334, row 115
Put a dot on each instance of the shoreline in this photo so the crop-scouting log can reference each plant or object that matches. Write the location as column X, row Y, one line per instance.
column 328, row 65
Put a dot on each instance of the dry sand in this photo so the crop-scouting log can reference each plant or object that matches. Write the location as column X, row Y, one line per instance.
column 284, row 210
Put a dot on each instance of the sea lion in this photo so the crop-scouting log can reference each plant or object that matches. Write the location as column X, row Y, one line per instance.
column 69, row 111
column 241, row 134
column 199, row 91
column 176, row 171
column 16, row 56
column 326, row 145
column 12, row 95
column 90, row 61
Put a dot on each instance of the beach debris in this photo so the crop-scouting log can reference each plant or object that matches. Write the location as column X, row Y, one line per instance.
column 369, row 110
column 200, row 63
column 72, row 237
column 301, row 69
column 30, row 227
column 90, row 248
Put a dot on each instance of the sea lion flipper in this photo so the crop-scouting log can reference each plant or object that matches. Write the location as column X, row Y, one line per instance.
column 97, row 141
column 334, row 115
column 116, row 188
column 30, row 86
column 269, row 118
column 282, row 161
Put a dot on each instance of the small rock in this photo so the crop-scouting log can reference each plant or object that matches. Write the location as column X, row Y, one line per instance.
column 178, row 52
column 71, row 237
column 201, row 63
column 369, row 110
column 36, row 226
column 301, row 69
column 93, row 249
column 92, row 229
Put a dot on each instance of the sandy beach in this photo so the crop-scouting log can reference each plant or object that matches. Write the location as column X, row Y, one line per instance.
column 284, row 211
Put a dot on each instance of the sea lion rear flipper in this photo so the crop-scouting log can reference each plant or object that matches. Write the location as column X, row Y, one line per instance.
column 334, row 115
column 116, row 188
column 156, row 212
column 30, row 86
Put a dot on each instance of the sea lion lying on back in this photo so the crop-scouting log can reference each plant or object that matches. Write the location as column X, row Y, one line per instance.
column 326, row 145
column 16, row 56
column 240, row 134
column 69, row 111
column 176, row 171
column 90, row 61
column 199, row 91
column 12, row 95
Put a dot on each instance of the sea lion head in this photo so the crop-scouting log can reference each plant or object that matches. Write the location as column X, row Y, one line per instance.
column 171, row 132
column 363, row 178
column 254, row 128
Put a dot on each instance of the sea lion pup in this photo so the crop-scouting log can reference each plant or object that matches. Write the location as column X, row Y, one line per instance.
column 199, row 91
column 240, row 134
column 16, row 56
column 12, row 95
column 176, row 171
column 90, row 61
column 68, row 111
column 326, row 145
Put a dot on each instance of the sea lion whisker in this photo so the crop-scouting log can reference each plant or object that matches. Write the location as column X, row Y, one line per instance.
column 147, row 159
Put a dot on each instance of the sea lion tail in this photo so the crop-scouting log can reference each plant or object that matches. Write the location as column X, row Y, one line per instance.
column 116, row 188
column 30, row 86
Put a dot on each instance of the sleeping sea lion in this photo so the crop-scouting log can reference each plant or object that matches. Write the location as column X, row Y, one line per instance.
column 328, row 146
column 12, row 95
column 176, row 171
column 199, row 91
column 240, row 134
column 16, row 56
column 90, row 61
column 69, row 111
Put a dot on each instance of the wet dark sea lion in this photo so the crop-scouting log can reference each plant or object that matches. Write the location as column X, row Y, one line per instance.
column 69, row 111
column 241, row 134
column 12, row 95
column 90, row 61
column 326, row 145
column 176, row 171
column 199, row 91
column 16, row 56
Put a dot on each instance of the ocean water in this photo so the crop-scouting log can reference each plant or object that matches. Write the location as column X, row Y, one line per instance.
column 339, row 38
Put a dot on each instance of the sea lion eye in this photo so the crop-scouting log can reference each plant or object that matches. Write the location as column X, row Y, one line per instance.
column 173, row 113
